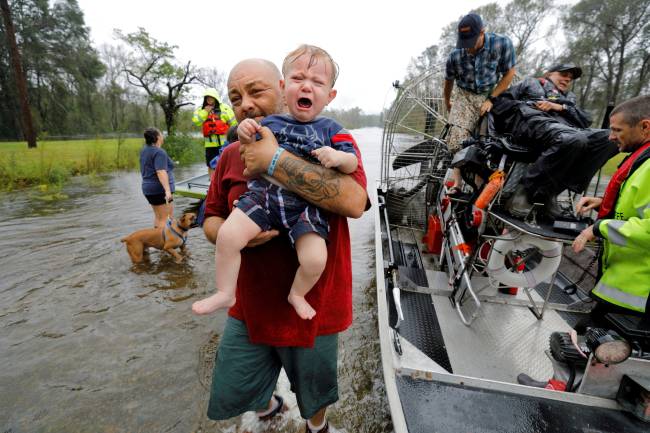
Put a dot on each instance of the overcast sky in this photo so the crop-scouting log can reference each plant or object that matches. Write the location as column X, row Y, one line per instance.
column 371, row 41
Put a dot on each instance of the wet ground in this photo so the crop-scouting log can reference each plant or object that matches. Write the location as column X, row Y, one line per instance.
column 91, row 343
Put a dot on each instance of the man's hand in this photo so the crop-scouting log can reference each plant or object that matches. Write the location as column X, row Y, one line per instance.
column 548, row 106
column 327, row 156
column 581, row 240
column 258, row 155
column 246, row 131
column 486, row 106
column 587, row 204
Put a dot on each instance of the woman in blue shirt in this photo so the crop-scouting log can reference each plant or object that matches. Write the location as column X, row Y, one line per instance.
column 157, row 176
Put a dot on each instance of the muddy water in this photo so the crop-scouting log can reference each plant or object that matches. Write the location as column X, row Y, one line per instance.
column 90, row 343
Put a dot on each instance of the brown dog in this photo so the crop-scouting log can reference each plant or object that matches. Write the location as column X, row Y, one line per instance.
column 173, row 235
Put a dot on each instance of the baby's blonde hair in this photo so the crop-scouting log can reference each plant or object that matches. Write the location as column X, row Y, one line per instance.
column 315, row 53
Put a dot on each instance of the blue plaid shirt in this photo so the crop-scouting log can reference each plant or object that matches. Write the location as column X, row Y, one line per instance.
column 481, row 72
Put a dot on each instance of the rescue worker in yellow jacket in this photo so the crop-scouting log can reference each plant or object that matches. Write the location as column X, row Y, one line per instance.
column 624, row 216
column 214, row 118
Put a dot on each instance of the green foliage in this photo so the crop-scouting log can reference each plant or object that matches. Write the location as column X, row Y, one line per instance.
column 611, row 166
column 610, row 40
column 152, row 67
column 520, row 20
column 61, row 65
column 53, row 162
column 184, row 149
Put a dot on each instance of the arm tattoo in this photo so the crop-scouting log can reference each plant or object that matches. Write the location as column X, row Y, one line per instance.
column 313, row 182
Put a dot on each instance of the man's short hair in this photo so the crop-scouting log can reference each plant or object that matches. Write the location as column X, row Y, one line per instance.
column 634, row 110
column 315, row 53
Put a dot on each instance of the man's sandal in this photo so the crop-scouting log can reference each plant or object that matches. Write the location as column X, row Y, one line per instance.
column 280, row 408
column 325, row 429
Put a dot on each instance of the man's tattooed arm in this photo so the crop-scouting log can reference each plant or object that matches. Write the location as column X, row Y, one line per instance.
column 314, row 182
column 324, row 187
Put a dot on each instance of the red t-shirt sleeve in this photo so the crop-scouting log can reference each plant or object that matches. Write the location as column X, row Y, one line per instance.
column 227, row 183
column 359, row 174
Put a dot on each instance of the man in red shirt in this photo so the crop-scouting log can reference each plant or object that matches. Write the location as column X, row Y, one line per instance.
column 263, row 334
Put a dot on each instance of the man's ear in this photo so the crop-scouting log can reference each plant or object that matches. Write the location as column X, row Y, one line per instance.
column 645, row 127
column 282, row 85
column 331, row 95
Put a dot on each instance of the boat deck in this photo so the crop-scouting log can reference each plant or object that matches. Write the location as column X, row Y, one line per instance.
column 444, row 376
column 506, row 335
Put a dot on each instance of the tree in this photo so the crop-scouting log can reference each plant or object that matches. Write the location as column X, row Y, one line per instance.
column 151, row 66
column 212, row 77
column 607, row 33
column 520, row 20
column 28, row 127
column 60, row 66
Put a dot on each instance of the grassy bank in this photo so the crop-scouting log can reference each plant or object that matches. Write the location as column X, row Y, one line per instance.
column 53, row 162
column 610, row 167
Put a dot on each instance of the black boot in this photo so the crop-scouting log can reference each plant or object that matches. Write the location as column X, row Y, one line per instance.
column 524, row 379
column 553, row 209
column 519, row 205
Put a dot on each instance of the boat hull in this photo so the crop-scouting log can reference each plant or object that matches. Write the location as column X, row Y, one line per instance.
column 196, row 187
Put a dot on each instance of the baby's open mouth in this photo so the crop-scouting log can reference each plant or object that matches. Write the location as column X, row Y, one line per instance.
column 304, row 102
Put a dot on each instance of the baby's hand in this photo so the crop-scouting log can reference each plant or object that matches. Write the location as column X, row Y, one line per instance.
column 327, row 156
column 247, row 130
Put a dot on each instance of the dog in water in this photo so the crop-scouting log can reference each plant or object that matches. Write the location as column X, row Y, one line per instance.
column 173, row 235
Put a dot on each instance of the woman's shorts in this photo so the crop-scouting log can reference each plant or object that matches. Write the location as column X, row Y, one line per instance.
column 156, row 199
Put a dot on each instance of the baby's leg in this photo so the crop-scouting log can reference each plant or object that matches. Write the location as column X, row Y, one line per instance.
column 312, row 255
column 233, row 235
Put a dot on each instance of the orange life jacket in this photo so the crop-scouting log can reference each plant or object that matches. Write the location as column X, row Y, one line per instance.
column 213, row 125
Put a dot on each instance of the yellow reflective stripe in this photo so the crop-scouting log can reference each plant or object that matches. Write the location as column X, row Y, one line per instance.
column 619, row 297
column 214, row 142
column 614, row 234
column 641, row 210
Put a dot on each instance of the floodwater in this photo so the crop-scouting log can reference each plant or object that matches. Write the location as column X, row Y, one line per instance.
column 91, row 343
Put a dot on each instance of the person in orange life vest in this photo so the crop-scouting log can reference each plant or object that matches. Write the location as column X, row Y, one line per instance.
column 214, row 118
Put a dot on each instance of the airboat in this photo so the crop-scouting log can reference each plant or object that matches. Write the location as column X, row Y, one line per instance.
column 195, row 187
column 470, row 297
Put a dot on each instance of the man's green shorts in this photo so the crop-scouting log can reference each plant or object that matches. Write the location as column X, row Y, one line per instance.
column 245, row 374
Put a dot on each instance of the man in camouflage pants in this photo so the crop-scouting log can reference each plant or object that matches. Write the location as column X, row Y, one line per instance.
column 483, row 65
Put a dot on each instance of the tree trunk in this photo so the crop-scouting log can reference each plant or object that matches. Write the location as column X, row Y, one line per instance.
column 169, row 119
column 643, row 72
column 586, row 91
column 620, row 72
column 28, row 126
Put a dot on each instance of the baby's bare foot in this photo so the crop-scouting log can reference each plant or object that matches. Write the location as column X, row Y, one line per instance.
column 213, row 303
column 302, row 307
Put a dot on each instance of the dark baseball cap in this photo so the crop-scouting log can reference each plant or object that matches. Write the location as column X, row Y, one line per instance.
column 567, row 67
column 469, row 29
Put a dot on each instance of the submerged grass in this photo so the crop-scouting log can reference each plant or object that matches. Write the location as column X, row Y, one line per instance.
column 53, row 162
